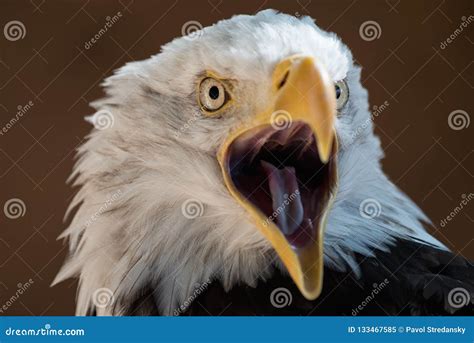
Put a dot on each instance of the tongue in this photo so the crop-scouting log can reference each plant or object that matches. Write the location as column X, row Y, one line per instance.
column 288, row 210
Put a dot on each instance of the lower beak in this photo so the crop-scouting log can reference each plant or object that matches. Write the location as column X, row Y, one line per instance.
column 280, row 168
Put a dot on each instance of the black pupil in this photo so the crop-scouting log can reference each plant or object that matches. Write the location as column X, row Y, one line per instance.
column 338, row 92
column 214, row 92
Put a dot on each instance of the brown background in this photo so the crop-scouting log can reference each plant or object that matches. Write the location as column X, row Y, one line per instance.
column 422, row 83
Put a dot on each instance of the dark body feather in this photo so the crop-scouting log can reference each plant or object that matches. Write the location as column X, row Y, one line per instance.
column 416, row 280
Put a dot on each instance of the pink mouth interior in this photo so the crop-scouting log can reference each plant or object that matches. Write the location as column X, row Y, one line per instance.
column 281, row 174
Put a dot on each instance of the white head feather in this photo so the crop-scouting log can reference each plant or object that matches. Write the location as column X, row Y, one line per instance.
column 129, row 229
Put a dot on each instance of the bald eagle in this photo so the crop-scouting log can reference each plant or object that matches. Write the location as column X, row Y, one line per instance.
column 237, row 173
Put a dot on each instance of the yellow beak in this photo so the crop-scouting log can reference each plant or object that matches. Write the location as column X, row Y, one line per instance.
column 303, row 108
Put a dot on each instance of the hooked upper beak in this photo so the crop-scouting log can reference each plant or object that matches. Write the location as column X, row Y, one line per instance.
column 280, row 167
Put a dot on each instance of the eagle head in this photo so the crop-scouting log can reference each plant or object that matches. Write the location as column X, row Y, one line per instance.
column 243, row 148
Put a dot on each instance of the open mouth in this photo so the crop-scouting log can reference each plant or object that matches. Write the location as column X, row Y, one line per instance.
column 280, row 173
column 283, row 172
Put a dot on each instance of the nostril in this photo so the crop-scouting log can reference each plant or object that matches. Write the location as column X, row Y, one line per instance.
column 283, row 80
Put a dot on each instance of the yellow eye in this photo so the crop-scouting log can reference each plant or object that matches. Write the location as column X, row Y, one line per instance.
column 342, row 94
column 212, row 94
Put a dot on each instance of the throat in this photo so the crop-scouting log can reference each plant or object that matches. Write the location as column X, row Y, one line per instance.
column 286, row 197
column 281, row 174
